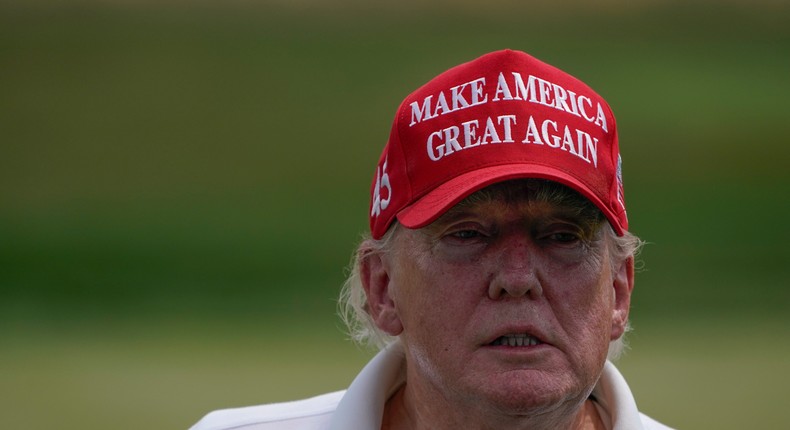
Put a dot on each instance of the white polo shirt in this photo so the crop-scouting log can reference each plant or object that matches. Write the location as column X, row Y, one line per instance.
column 362, row 405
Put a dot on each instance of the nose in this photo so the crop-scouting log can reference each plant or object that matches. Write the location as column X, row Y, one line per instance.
column 515, row 268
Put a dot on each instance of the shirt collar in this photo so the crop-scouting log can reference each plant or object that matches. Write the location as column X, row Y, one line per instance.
column 362, row 407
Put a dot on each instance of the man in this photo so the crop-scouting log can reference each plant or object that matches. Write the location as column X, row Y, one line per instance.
column 498, row 274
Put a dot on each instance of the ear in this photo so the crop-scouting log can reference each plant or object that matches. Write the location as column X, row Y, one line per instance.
column 377, row 282
column 623, row 285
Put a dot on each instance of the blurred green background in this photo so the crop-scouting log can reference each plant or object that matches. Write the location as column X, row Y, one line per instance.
column 182, row 183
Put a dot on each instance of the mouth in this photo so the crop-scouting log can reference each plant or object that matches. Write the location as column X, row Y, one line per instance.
column 516, row 340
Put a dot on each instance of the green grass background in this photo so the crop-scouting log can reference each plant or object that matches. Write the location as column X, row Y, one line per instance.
column 182, row 183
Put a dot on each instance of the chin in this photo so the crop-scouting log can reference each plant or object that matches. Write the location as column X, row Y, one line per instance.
column 530, row 392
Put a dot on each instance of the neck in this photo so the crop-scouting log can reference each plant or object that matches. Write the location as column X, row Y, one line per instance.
column 401, row 413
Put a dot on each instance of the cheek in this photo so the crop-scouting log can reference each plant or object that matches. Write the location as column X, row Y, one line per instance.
column 436, row 298
column 435, row 314
column 583, row 301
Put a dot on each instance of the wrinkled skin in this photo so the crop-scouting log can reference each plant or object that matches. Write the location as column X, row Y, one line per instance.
column 486, row 270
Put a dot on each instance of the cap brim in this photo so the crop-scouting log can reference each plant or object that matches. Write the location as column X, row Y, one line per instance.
column 436, row 202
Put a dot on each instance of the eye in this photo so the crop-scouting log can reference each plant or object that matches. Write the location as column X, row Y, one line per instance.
column 466, row 234
column 562, row 234
column 563, row 237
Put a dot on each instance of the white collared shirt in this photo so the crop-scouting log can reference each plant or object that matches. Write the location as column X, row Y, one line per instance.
column 361, row 406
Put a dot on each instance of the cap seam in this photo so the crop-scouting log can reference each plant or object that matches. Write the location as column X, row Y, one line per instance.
column 398, row 120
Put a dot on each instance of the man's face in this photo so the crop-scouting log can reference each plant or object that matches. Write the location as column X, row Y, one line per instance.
column 506, row 302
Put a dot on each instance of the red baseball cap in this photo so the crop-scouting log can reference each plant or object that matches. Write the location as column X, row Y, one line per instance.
column 505, row 115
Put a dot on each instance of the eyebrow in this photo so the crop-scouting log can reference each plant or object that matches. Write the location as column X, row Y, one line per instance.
column 453, row 214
